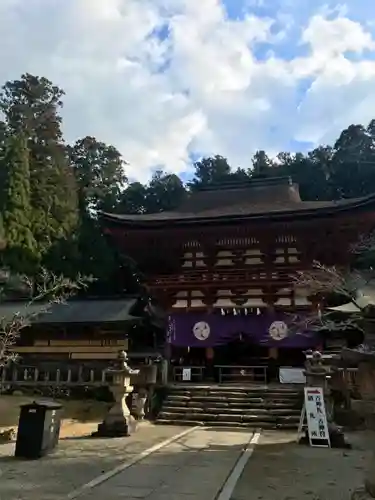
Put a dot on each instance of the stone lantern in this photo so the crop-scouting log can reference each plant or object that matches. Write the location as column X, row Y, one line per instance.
column 319, row 374
column 144, row 382
column 118, row 421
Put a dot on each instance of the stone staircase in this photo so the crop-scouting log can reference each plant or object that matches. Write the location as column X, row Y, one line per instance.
column 232, row 406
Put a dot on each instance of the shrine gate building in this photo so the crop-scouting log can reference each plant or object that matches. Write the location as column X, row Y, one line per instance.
column 222, row 265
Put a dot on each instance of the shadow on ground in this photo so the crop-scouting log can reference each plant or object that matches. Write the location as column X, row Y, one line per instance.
column 81, row 411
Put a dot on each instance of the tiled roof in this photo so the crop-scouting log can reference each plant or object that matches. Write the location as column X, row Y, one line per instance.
column 274, row 198
column 75, row 311
column 276, row 210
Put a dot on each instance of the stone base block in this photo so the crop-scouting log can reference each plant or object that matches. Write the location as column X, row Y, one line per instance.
column 122, row 428
column 336, row 436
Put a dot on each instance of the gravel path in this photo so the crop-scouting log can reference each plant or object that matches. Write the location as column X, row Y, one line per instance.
column 75, row 462
column 280, row 469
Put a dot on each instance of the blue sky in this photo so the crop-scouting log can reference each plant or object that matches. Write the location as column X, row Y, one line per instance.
column 227, row 77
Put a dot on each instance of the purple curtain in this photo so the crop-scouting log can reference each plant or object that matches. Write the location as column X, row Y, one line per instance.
column 207, row 330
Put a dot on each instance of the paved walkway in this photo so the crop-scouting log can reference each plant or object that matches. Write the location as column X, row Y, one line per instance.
column 280, row 469
column 194, row 467
column 75, row 462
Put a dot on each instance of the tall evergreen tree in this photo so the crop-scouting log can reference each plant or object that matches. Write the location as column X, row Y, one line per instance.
column 31, row 107
column 262, row 165
column 100, row 174
column 21, row 249
column 215, row 170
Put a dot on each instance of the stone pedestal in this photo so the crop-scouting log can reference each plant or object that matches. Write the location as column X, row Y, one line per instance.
column 144, row 380
column 140, row 403
column 119, row 422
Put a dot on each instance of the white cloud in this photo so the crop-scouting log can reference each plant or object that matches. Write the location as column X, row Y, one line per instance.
column 203, row 88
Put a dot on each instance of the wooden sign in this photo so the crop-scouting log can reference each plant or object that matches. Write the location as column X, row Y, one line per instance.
column 316, row 417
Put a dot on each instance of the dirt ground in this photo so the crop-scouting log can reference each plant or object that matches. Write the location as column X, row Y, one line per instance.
column 280, row 469
column 80, row 418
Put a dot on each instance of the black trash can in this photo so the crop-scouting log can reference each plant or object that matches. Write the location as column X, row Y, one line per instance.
column 38, row 429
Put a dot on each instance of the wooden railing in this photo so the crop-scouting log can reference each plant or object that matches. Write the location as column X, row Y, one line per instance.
column 32, row 376
column 227, row 278
column 196, row 373
column 253, row 374
column 222, row 374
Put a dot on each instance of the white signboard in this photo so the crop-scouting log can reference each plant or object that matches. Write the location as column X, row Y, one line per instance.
column 292, row 375
column 316, row 417
column 186, row 374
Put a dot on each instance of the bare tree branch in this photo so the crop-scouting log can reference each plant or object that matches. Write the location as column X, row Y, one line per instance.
column 353, row 285
column 324, row 280
column 47, row 289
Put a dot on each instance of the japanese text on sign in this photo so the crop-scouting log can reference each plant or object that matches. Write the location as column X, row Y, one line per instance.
column 316, row 417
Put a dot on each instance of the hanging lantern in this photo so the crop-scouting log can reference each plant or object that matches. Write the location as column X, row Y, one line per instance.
column 234, row 312
column 222, row 312
column 258, row 311
column 245, row 311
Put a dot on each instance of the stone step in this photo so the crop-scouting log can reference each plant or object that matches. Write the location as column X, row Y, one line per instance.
column 243, row 405
column 231, row 404
column 223, row 395
column 262, row 395
column 247, row 425
column 217, row 398
column 229, row 407
column 232, row 390
column 228, row 417
column 231, row 411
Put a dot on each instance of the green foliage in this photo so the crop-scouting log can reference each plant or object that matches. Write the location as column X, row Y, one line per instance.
column 164, row 192
column 99, row 170
column 31, row 107
column 21, row 248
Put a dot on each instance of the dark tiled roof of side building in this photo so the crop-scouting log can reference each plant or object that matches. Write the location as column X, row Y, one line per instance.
column 74, row 311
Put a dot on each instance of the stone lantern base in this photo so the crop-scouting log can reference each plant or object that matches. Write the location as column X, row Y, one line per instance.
column 117, row 428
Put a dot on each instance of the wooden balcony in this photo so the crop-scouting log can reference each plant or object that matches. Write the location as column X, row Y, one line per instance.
column 221, row 280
